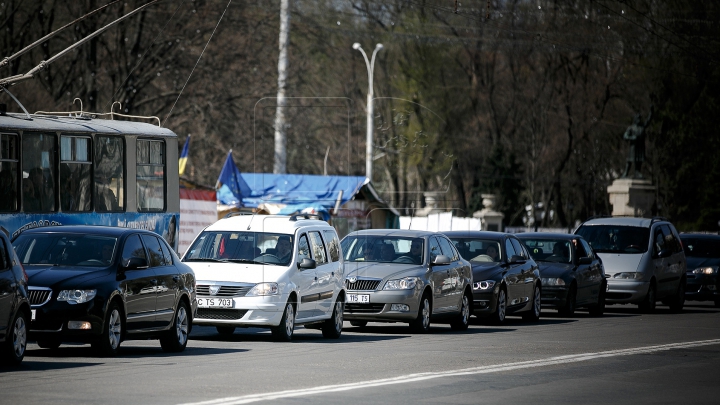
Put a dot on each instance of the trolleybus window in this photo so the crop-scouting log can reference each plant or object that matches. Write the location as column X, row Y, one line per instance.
column 38, row 179
column 75, row 168
column 150, row 175
column 109, row 174
column 8, row 172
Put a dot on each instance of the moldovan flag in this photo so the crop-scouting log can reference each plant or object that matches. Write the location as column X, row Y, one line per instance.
column 184, row 156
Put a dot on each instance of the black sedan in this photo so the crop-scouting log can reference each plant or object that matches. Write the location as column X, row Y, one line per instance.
column 506, row 280
column 14, row 305
column 103, row 285
column 572, row 274
column 702, row 253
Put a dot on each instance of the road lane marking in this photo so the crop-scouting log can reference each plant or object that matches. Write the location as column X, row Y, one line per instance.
column 409, row 378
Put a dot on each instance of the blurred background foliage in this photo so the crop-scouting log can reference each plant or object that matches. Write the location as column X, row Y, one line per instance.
column 527, row 99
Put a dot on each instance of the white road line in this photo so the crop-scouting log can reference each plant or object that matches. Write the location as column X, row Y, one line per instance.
column 573, row 358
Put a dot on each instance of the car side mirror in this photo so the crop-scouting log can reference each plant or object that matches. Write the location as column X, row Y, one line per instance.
column 441, row 259
column 517, row 259
column 585, row 260
column 306, row 263
column 134, row 263
column 664, row 253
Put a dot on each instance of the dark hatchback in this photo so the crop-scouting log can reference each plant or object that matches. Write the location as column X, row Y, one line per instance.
column 572, row 274
column 14, row 305
column 702, row 253
column 506, row 280
column 104, row 285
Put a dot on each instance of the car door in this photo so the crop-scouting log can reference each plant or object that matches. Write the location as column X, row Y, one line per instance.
column 583, row 278
column 305, row 280
column 331, row 274
column 513, row 276
column 324, row 272
column 138, row 286
column 167, row 281
column 526, row 269
column 675, row 263
column 440, row 276
column 660, row 264
column 454, row 293
column 8, row 285
column 595, row 274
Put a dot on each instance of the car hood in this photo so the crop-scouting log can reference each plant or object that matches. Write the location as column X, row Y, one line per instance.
column 59, row 276
column 620, row 262
column 383, row 270
column 236, row 272
column 487, row 271
column 695, row 262
column 557, row 270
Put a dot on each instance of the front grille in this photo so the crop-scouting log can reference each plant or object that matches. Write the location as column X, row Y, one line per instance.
column 225, row 290
column 364, row 308
column 217, row 313
column 362, row 285
column 39, row 295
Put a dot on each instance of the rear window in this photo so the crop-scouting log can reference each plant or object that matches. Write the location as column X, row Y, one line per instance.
column 616, row 239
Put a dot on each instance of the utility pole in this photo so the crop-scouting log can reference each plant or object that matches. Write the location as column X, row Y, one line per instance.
column 280, row 165
column 370, row 64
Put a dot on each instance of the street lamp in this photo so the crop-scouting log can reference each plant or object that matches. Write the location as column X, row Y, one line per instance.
column 370, row 64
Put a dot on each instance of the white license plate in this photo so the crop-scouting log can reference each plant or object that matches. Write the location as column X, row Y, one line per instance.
column 215, row 302
column 32, row 314
column 359, row 298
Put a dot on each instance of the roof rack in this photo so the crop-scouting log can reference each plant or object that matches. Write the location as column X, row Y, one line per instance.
column 304, row 216
column 233, row 214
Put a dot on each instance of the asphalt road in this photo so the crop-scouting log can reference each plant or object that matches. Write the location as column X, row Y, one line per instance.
column 622, row 358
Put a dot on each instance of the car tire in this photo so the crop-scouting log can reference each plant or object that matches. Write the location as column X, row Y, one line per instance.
column 284, row 331
column 51, row 344
column 110, row 338
column 421, row 324
column 15, row 345
column 175, row 339
column 534, row 314
column 359, row 324
column 332, row 328
column 225, row 330
column 498, row 317
column 598, row 309
column 569, row 308
column 462, row 321
column 648, row 304
column 677, row 301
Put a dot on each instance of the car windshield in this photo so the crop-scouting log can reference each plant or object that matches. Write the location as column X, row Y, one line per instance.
column 59, row 249
column 241, row 247
column 616, row 239
column 383, row 249
column 478, row 250
column 701, row 247
column 549, row 250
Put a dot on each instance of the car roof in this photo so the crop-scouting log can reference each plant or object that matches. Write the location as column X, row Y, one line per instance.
column 394, row 232
column 699, row 236
column 266, row 223
column 623, row 221
column 476, row 234
column 547, row 235
column 85, row 229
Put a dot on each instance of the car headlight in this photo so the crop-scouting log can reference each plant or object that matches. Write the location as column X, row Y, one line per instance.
column 705, row 270
column 552, row 281
column 406, row 283
column 264, row 289
column 76, row 296
column 629, row 275
column 484, row 285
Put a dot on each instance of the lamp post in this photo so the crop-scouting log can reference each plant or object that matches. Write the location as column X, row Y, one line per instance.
column 370, row 64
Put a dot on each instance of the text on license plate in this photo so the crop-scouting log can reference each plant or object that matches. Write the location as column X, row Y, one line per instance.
column 32, row 314
column 215, row 302
column 361, row 298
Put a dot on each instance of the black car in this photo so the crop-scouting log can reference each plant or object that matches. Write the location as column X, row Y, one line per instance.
column 506, row 280
column 572, row 274
column 14, row 305
column 102, row 285
column 702, row 252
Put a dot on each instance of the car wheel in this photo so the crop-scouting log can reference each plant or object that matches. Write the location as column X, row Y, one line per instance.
column 498, row 317
column 284, row 331
column 569, row 308
column 648, row 304
column 359, row 324
column 13, row 349
column 51, row 344
column 599, row 308
column 225, row 330
column 534, row 313
column 677, row 302
column 109, row 342
column 463, row 318
column 421, row 324
column 332, row 328
column 175, row 340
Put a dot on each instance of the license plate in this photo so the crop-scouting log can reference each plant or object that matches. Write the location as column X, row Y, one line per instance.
column 32, row 314
column 215, row 302
column 359, row 298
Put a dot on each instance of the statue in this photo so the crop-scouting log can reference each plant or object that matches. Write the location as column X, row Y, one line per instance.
column 635, row 135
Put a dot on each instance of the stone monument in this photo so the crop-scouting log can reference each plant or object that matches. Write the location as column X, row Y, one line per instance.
column 490, row 219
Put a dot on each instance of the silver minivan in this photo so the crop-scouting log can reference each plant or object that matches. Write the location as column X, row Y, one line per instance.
column 643, row 258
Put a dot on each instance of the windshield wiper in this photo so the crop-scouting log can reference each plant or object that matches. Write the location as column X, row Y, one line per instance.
column 204, row 259
column 243, row 261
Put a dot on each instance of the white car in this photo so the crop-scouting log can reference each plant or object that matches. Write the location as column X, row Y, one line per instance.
column 269, row 271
